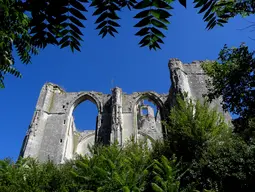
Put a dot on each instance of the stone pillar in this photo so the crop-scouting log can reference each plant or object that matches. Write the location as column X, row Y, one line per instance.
column 98, row 137
column 179, row 78
column 116, row 128
column 34, row 136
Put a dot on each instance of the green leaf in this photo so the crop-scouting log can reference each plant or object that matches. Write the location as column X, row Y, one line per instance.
column 211, row 23
column 76, row 21
column 113, row 16
column 209, row 10
column 157, row 32
column 205, row 7
column 158, row 24
column 77, row 13
column 102, row 17
column 126, row 189
column 100, row 10
column 38, row 28
column 113, row 23
column 75, row 41
column 222, row 21
column 102, row 24
column 76, row 29
column 143, row 4
column 156, row 188
column 74, row 46
column 209, row 17
column 161, row 4
column 145, row 40
column 65, row 44
column 163, row 13
column 76, row 4
column 183, row 3
column 103, row 31
column 199, row 3
column 142, row 14
column 143, row 31
column 76, row 35
column 63, row 33
column 155, row 13
column 145, row 21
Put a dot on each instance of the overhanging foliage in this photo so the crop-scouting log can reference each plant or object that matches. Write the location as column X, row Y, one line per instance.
column 29, row 25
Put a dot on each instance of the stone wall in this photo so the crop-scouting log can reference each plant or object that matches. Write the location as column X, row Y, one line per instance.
column 191, row 79
column 52, row 133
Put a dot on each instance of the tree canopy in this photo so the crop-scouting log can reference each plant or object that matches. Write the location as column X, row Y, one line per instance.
column 199, row 153
column 232, row 78
column 29, row 25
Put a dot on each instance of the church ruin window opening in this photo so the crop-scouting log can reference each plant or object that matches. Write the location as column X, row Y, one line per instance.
column 148, row 117
column 147, row 114
column 146, row 106
column 85, row 116
column 144, row 111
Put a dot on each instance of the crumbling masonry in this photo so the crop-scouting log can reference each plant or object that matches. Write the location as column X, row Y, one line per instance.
column 52, row 133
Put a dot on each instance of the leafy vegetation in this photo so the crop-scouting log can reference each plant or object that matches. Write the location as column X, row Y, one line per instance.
column 209, row 154
column 29, row 175
column 232, row 77
column 200, row 153
column 192, row 127
column 14, row 33
column 30, row 25
column 111, row 168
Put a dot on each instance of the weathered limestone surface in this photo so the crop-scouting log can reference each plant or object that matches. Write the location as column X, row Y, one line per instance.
column 52, row 133
column 191, row 78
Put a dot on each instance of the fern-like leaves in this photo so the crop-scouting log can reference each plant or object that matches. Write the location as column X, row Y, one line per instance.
column 215, row 12
column 153, row 17
column 210, row 15
column 106, row 10
column 57, row 22
column 13, row 34
column 33, row 24
column 164, row 176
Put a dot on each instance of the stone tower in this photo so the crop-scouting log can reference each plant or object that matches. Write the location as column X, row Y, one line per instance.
column 52, row 133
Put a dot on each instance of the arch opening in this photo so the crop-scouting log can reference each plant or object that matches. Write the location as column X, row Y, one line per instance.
column 148, row 118
column 85, row 116
column 148, row 106
column 82, row 125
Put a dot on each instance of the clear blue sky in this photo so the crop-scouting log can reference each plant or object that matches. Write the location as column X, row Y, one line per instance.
column 101, row 60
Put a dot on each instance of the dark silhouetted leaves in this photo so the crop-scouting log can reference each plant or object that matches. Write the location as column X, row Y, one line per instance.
column 107, row 11
column 14, row 36
column 183, row 3
column 61, row 25
column 152, row 20
column 127, row 3
column 233, row 78
column 31, row 24
column 215, row 11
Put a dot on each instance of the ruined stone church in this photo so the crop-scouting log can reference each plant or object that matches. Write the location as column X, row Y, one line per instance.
column 52, row 133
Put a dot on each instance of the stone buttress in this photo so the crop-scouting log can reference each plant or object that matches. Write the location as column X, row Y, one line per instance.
column 52, row 134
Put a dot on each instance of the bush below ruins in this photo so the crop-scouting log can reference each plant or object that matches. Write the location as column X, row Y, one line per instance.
column 200, row 153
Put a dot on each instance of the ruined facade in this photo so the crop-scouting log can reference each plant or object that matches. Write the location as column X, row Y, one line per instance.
column 52, row 133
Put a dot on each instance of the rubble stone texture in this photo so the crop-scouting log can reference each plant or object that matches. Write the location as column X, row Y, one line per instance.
column 52, row 133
